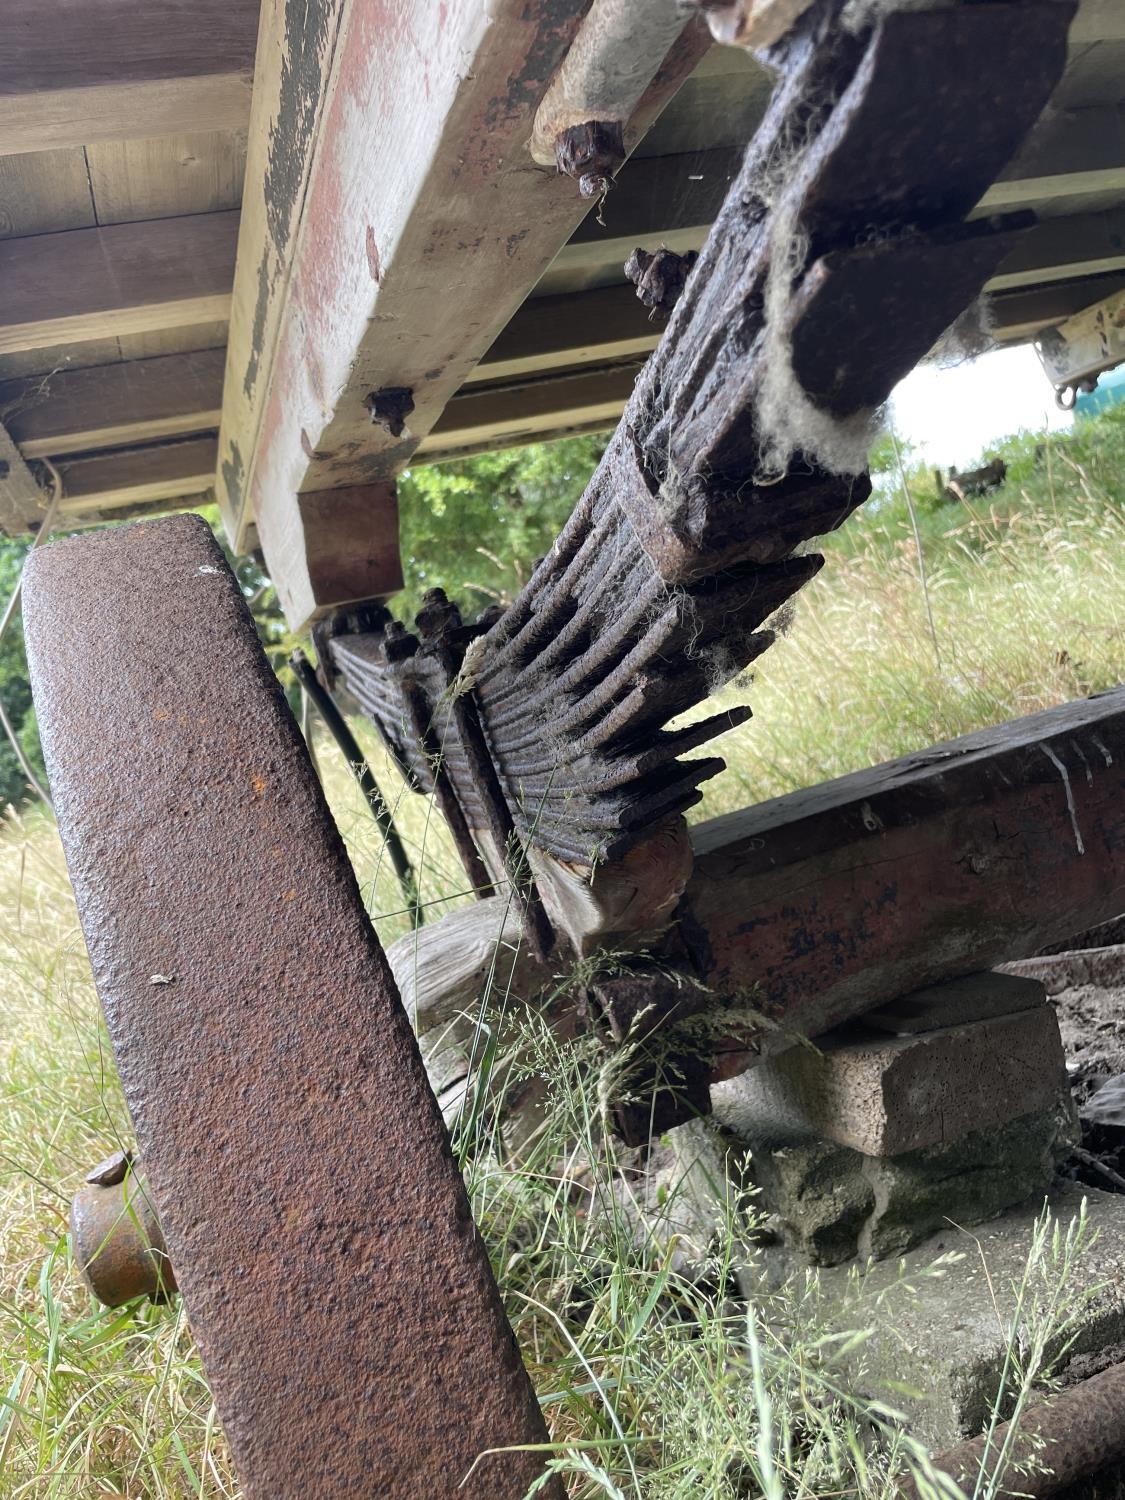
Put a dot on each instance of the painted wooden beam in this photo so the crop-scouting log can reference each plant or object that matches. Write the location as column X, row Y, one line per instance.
column 130, row 477
column 365, row 264
column 1062, row 249
column 75, row 73
column 22, row 502
column 112, row 406
column 124, row 279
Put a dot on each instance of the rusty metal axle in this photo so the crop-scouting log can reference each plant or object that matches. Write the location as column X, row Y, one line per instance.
column 1068, row 1437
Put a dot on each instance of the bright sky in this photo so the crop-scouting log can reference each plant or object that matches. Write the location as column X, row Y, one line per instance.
column 952, row 415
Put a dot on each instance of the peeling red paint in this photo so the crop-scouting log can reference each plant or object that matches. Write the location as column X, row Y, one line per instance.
column 486, row 76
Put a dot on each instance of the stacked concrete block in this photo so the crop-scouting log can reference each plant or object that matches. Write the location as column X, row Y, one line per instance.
column 950, row 1104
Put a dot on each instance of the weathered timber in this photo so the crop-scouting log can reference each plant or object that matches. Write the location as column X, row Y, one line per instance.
column 563, row 332
column 826, row 903
column 1060, row 249
column 526, row 409
column 346, row 249
column 687, row 539
column 1022, row 314
column 193, row 172
column 21, row 500
column 1098, row 21
column 72, row 74
column 597, row 87
column 818, row 907
column 126, row 477
column 752, row 23
column 111, row 406
column 1070, row 153
column 126, row 278
column 319, row 1227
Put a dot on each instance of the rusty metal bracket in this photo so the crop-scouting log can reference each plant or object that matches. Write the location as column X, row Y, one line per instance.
column 339, row 1293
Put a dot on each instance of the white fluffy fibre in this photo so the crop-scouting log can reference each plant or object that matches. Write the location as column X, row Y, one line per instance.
column 789, row 421
column 970, row 336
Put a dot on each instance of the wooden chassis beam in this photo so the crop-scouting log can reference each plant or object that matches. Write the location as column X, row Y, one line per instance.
column 123, row 279
column 829, row 902
column 346, row 258
column 73, row 74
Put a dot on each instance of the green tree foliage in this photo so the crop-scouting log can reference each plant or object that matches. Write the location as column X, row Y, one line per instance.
column 15, row 690
column 476, row 527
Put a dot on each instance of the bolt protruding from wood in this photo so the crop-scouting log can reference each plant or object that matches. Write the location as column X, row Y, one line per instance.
column 592, row 153
column 390, row 408
column 659, row 278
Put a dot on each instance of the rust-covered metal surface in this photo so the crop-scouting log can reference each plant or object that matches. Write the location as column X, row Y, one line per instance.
column 116, row 1237
column 1075, row 1435
column 321, row 1234
column 841, row 254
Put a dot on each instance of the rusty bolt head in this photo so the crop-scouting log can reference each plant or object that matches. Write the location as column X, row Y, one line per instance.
column 115, row 1168
column 116, row 1236
column 390, row 408
column 592, row 153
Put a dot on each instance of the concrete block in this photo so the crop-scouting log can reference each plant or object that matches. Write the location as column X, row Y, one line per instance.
column 833, row 1204
column 945, row 1338
column 886, row 1095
